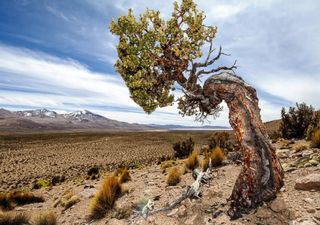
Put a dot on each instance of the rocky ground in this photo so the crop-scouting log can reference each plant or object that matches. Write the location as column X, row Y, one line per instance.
column 292, row 206
column 297, row 203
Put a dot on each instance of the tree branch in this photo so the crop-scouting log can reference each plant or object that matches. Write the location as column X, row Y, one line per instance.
column 218, row 69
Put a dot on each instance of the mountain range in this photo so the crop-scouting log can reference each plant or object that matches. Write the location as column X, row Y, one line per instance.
column 44, row 119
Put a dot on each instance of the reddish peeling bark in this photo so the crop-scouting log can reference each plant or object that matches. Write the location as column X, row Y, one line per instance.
column 261, row 176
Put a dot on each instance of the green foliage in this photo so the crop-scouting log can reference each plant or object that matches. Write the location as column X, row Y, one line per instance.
column 295, row 122
column 41, row 183
column 183, row 148
column 154, row 52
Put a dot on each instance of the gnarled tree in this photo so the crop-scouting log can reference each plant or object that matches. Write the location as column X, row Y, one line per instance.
column 156, row 55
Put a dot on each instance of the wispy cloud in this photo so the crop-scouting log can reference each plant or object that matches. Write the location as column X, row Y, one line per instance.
column 68, row 61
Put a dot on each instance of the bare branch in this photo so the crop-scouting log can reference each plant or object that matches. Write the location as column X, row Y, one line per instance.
column 218, row 69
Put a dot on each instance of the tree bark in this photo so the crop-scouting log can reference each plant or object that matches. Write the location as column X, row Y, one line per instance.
column 261, row 176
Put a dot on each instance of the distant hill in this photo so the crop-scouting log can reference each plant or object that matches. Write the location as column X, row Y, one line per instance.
column 46, row 120
column 273, row 126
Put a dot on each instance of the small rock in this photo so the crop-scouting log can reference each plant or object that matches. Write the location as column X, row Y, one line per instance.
column 278, row 205
column 263, row 213
column 308, row 200
column 317, row 215
column 311, row 210
column 307, row 153
column 173, row 212
column 309, row 182
column 182, row 211
column 313, row 162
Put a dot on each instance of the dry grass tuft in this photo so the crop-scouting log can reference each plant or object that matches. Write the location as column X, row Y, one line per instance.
column 67, row 200
column 10, row 218
column 174, row 176
column 192, row 161
column 9, row 200
column 315, row 140
column 123, row 174
column 167, row 164
column 204, row 164
column 217, row 156
column 48, row 218
column 300, row 147
column 105, row 198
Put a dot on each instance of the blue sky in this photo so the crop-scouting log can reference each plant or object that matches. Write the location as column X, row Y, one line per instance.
column 60, row 54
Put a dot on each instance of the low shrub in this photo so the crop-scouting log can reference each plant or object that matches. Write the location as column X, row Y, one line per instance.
column 93, row 173
column 183, row 148
column 217, row 156
column 48, row 218
column 57, row 179
column 192, row 161
column 10, row 218
column 105, row 198
column 315, row 141
column 174, row 176
column 295, row 122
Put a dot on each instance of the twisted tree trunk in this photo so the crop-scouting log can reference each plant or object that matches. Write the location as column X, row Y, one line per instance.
column 261, row 176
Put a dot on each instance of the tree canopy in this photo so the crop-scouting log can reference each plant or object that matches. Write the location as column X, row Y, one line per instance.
column 155, row 53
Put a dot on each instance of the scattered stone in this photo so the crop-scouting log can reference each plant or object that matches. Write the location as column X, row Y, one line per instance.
column 311, row 210
column 308, row 200
column 309, row 182
column 182, row 211
column 173, row 212
column 263, row 213
column 278, row 205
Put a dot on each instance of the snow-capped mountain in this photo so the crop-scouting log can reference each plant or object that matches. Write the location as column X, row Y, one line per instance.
column 44, row 119
column 37, row 113
column 84, row 116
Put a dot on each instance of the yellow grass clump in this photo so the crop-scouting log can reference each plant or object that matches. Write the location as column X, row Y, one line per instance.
column 315, row 141
column 123, row 174
column 167, row 164
column 11, row 218
column 10, row 199
column 48, row 218
column 204, row 164
column 192, row 161
column 105, row 198
column 174, row 176
column 217, row 156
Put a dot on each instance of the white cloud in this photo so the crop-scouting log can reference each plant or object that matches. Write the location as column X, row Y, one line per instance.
column 64, row 85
